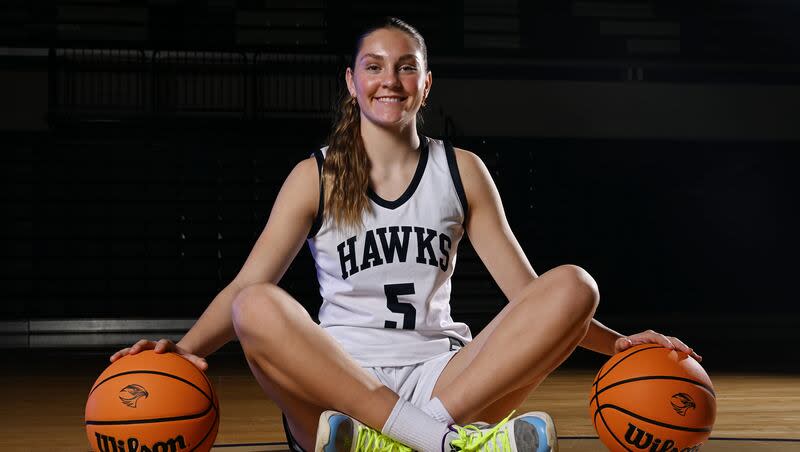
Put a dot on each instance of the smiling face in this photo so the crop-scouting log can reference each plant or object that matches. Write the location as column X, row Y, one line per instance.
column 389, row 78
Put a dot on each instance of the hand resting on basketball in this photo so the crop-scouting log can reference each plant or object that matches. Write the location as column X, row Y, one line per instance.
column 652, row 337
column 162, row 346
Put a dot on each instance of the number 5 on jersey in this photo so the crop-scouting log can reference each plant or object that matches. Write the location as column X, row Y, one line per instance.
column 393, row 291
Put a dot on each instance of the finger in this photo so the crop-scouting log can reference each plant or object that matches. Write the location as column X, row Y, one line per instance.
column 680, row 345
column 622, row 344
column 138, row 346
column 652, row 337
column 662, row 340
column 162, row 346
column 200, row 363
column 119, row 354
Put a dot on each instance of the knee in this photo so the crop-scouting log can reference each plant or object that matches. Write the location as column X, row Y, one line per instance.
column 579, row 290
column 253, row 301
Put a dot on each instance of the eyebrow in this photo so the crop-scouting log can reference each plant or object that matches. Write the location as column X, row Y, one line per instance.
column 380, row 57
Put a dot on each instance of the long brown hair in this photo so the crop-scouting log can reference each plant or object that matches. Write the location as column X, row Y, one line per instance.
column 345, row 173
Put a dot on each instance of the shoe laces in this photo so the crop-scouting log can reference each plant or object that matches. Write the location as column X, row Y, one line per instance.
column 370, row 440
column 473, row 439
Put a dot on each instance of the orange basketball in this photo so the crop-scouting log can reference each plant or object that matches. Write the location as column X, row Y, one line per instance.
column 652, row 398
column 151, row 402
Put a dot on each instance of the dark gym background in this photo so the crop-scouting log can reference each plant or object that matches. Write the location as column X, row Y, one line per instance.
column 653, row 142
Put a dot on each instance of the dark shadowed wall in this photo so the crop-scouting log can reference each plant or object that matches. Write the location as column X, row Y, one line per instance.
column 631, row 139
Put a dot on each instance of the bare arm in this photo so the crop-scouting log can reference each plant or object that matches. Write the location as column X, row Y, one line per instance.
column 289, row 222
column 499, row 250
column 488, row 229
column 287, row 228
column 600, row 338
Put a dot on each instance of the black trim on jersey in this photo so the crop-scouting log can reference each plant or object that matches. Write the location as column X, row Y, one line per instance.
column 412, row 187
column 318, row 220
column 455, row 344
column 451, row 162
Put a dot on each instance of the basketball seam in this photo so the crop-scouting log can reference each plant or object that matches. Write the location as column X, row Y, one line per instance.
column 211, row 401
column 600, row 377
column 608, row 429
column 154, row 420
column 653, row 377
column 599, row 410
column 602, row 418
column 216, row 418
column 652, row 421
column 211, row 387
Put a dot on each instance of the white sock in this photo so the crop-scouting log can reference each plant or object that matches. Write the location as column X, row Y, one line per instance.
column 412, row 427
column 436, row 410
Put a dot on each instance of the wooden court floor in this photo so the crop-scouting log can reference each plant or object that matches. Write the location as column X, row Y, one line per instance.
column 44, row 395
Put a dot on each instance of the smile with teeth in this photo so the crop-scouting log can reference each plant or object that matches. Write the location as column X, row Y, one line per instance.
column 390, row 99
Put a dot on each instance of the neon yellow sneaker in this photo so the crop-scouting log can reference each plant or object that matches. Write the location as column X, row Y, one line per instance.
column 339, row 432
column 531, row 432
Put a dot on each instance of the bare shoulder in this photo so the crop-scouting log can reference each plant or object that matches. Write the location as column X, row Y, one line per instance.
column 467, row 159
column 289, row 221
column 306, row 169
column 474, row 173
column 302, row 184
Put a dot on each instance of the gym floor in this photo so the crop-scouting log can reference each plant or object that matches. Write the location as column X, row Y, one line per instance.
column 45, row 396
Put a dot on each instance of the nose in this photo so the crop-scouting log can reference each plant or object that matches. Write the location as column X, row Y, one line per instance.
column 390, row 80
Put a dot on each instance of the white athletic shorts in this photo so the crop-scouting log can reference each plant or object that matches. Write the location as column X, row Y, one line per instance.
column 415, row 382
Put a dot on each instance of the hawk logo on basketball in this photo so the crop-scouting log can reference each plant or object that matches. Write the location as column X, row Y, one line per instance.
column 131, row 394
column 681, row 402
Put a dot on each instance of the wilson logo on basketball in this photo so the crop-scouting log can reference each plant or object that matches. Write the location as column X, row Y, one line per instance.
column 110, row 444
column 640, row 439
column 681, row 402
column 131, row 394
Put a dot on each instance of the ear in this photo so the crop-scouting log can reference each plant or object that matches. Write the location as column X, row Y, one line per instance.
column 428, row 83
column 348, row 77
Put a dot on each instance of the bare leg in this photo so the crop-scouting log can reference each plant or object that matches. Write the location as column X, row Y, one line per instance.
column 302, row 368
column 530, row 337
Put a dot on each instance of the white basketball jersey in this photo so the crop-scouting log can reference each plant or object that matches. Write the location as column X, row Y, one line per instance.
column 386, row 287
